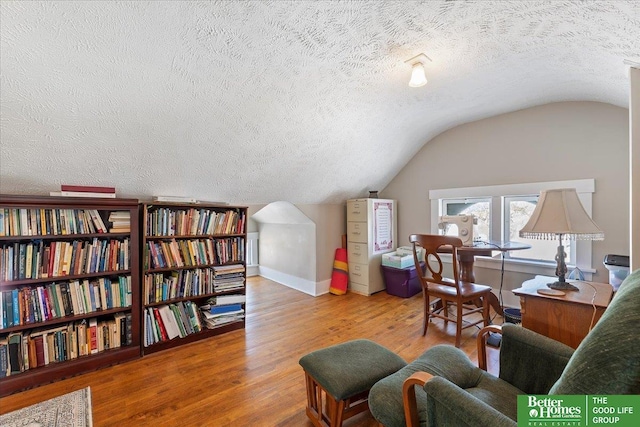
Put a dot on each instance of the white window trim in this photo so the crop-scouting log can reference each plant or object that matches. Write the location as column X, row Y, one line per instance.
column 252, row 249
column 585, row 189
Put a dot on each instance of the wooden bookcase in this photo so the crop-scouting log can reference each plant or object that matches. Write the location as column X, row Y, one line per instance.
column 185, row 249
column 85, row 304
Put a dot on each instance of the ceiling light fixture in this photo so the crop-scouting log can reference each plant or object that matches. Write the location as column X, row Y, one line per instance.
column 418, row 77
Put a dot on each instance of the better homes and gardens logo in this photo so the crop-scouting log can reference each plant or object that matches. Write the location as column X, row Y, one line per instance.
column 554, row 410
column 578, row 411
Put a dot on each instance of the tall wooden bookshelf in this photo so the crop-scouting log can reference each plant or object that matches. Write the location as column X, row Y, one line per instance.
column 76, row 286
column 190, row 253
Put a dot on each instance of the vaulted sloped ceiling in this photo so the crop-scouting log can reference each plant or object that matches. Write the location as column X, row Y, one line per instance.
column 301, row 101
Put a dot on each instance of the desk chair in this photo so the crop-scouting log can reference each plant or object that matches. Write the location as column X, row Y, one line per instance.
column 445, row 290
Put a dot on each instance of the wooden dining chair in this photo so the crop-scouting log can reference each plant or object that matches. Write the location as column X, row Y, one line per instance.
column 447, row 291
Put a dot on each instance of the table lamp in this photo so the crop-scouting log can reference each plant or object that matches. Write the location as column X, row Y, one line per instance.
column 559, row 213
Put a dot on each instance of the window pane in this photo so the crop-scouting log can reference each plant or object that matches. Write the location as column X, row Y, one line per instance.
column 519, row 214
column 519, row 211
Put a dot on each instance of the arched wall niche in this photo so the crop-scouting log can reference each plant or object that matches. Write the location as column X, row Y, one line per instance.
column 287, row 246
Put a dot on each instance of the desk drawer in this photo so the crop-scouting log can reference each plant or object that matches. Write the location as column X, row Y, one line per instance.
column 357, row 232
column 358, row 253
column 359, row 288
column 357, row 210
column 359, row 273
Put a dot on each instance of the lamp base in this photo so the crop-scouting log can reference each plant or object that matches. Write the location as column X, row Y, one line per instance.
column 562, row 286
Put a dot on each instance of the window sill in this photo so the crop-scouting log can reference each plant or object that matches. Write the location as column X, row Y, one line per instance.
column 523, row 266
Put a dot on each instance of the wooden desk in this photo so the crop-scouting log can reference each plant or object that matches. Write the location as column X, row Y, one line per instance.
column 564, row 318
column 467, row 255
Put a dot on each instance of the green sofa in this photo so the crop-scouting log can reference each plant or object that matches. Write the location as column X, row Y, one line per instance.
column 461, row 394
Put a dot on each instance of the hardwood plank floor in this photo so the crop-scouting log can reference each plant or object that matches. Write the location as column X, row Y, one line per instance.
column 251, row 377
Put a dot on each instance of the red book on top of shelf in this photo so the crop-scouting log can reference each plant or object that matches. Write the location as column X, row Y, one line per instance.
column 87, row 188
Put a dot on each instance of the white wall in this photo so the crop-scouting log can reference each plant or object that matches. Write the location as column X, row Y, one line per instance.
column 330, row 223
column 297, row 243
column 288, row 255
column 552, row 142
column 634, row 154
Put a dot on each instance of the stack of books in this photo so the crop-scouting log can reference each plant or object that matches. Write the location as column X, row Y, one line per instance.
column 223, row 309
column 174, row 199
column 228, row 277
column 85, row 191
column 120, row 222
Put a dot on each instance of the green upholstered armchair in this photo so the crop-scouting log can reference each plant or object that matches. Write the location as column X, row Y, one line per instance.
column 443, row 388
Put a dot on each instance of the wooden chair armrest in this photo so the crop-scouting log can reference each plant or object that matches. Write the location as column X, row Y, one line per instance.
column 482, row 343
column 409, row 396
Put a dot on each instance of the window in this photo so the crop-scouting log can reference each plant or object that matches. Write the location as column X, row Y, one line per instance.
column 252, row 249
column 503, row 210
column 517, row 211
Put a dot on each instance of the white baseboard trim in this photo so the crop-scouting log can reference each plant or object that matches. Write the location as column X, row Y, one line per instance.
column 297, row 283
column 323, row 287
column 253, row 270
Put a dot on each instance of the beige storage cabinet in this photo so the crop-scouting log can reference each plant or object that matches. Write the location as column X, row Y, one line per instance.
column 371, row 232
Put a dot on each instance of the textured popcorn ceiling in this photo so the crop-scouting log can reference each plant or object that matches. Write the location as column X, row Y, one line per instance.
column 302, row 101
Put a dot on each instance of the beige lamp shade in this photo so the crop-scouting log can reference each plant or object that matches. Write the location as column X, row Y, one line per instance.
column 560, row 212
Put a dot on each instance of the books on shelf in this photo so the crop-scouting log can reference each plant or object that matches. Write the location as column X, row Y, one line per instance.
column 48, row 221
column 213, row 202
column 228, row 277
column 170, row 322
column 87, row 188
column 186, row 200
column 124, row 216
column 16, row 359
column 120, row 229
column 30, row 349
column 227, row 299
column 57, row 259
column 82, row 194
column 223, row 309
column 67, row 287
column 226, row 309
column 120, row 222
column 212, row 320
column 5, row 369
column 158, row 287
column 85, row 191
column 167, row 322
column 32, row 305
column 183, row 245
column 192, row 253
column 97, row 219
column 175, row 199
column 194, row 221
column 222, row 303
